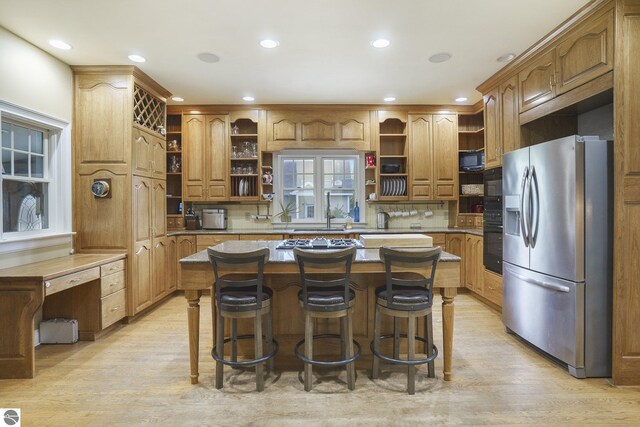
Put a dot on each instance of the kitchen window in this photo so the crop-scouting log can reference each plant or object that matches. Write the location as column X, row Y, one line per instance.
column 35, row 177
column 304, row 179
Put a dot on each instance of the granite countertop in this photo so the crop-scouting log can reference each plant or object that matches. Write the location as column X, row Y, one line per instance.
column 286, row 255
column 292, row 231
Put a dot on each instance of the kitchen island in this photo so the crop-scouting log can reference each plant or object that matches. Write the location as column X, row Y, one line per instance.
column 281, row 274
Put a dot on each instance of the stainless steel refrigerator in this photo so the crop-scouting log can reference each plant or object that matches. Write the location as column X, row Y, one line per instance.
column 557, row 250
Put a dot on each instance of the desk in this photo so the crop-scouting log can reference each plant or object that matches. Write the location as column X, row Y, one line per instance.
column 281, row 275
column 97, row 304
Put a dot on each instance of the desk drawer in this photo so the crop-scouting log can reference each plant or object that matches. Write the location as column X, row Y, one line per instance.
column 70, row 280
column 113, row 308
column 112, row 283
column 112, row 267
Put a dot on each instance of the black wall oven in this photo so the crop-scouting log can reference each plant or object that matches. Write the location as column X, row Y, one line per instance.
column 492, row 255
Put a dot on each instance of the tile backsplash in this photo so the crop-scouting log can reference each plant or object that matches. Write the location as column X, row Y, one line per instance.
column 240, row 216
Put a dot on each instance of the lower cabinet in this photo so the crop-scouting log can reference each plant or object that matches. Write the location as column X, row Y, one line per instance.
column 172, row 264
column 493, row 287
column 112, row 293
column 205, row 240
column 456, row 245
column 474, row 267
column 185, row 246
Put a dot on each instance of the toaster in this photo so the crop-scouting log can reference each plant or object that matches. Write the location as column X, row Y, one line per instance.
column 214, row 219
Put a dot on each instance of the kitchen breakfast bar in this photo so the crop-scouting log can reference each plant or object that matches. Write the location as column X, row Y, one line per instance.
column 281, row 275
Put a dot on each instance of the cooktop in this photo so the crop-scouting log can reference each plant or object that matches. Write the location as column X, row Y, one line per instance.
column 319, row 243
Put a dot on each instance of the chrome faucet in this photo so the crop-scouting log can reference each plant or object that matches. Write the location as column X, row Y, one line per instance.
column 328, row 210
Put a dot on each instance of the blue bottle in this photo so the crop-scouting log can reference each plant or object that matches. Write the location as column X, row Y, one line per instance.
column 356, row 213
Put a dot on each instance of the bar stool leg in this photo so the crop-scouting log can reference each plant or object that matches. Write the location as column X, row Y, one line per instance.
column 219, row 348
column 396, row 337
column 234, row 340
column 428, row 327
column 308, row 349
column 343, row 337
column 258, row 350
column 376, row 342
column 351, row 367
column 269, row 333
column 411, row 340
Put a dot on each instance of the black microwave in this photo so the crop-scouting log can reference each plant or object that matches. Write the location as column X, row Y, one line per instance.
column 472, row 160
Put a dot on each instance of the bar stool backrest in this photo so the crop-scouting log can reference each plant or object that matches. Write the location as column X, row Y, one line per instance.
column 250, row 268
column 337, row 263
column 404, row 260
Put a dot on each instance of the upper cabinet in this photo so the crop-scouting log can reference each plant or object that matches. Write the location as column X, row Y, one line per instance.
column 579, row 57
column 318, row 129
column 502, row 129
column 148, row 154
column 433, row 144
column 491, row 128
column 393, row 165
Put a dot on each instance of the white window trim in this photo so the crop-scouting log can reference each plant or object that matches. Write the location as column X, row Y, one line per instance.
column 59, row 231
column 359, row 185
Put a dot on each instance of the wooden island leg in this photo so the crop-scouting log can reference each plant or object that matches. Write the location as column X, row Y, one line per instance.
column 193, row 316
column 448, row 295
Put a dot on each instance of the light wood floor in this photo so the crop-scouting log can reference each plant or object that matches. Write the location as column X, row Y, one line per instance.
column 139, row 375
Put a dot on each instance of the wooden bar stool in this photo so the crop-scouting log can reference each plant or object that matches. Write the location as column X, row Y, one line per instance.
column 405, row 296
column 327, row 294
column 241, row 296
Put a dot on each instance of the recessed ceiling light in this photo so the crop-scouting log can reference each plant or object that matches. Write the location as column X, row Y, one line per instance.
column 269, row 44
column 60, row 44
column 178, row 99
column 389, row 99
column 506, row 57
column 380, row 43
column 440, row 57
column 208, row 57
column 461, row 99
column 137, row 58
column 248, row 98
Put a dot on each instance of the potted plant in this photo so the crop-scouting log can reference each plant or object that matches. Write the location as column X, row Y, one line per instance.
column 286, row 211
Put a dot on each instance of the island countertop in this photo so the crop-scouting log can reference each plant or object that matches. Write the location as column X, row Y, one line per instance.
column 286, row 255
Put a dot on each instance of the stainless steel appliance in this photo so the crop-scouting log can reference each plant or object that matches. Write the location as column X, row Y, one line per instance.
column 214, row 219
column 382, row 220
column 319, row 243
column 557, row 270
column 492, row 220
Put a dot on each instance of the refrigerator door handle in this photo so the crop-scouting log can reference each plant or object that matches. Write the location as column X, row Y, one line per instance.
column 533, row 227
column 523, row 220
column 551, row 286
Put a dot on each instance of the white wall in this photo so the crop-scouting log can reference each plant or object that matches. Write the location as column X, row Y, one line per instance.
column 32, row 79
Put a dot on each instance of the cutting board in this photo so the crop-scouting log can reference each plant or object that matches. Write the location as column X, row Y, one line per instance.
column 396, row 240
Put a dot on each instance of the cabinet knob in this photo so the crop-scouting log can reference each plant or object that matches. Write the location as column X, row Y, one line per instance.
column 114, row 309
column 47, row 284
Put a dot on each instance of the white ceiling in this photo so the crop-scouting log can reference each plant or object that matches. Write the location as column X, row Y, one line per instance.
column 324, row 55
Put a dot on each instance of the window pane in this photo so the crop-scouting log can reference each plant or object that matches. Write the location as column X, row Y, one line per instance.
column 349, row 166
column 342, row 203
column 20, row 164
column 6, row 162
column 6, row 135
column 20, row 138
column 328, row 166
column 304, row 202
column 308, row 166
column 338, row 166
column 289, row 181
column 37, row 166
column 37, row 145
column 25, row 206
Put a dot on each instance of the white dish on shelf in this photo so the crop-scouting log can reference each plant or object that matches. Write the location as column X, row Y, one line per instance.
column 396, row 187
column 403, row 186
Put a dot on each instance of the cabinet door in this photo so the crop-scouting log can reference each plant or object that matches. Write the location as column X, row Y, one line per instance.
column 421, row 156
column 478, row 245
column 509, row 119
column 585, row 54
column 158, row 158
column 160, row 270
column 141, row 209
column 172, row 264
column 217, row 152
column 141, row 283
column 158, row 208
column 186, row 246
column 455, row 245
column 491, row 129
column 142, row 143
column 445, row 156
column 536, row 82
column 470, row 262
column 193, row 158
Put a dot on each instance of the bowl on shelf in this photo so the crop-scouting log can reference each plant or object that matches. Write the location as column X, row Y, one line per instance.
column 390, row 168
column 267, row 196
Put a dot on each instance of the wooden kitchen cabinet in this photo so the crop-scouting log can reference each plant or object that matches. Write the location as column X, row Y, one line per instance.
column 456, row 245
column 474, row 267
column 205, row 240
column 261, row 237
column 159, row 268
column 493, row 287
column 205, row 150
column 172, row 264
column 149, row 154
column 185, row 246
column 141, row 297
column 502, row 125
column 536, row 81
column 433, row 148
